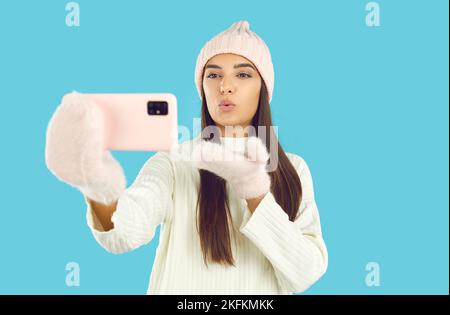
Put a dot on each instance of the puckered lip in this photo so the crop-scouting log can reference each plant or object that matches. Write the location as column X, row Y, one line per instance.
column 226, row 103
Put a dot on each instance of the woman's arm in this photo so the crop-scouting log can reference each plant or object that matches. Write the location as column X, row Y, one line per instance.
column 103, row 214
column 296, row 249
column 131, row 221
column 253, row 203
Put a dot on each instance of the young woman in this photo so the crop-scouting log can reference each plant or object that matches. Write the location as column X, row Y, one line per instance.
column 228, row 225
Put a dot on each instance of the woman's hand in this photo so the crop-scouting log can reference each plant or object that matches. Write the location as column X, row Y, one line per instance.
column 74, row 150
column 245, row 171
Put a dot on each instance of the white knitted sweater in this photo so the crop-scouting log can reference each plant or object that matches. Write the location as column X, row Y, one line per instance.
column 273, row 255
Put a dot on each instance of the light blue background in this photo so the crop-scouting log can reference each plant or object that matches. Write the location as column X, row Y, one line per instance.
column 367, row 108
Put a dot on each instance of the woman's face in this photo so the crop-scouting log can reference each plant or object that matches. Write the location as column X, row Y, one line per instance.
column 230, row 77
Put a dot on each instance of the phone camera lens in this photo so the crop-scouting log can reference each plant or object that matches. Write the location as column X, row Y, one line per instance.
column 157, row 108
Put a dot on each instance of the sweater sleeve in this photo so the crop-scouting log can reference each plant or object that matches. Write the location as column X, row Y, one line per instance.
column 296, row 248
column 140, row 209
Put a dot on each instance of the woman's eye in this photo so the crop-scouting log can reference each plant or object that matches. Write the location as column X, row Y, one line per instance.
column 240, row 75
column 245, row 75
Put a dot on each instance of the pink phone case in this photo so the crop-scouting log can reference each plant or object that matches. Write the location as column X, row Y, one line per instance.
column 133, row 124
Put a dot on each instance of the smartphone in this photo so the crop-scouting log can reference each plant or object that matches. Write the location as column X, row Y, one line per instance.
column 138, row 121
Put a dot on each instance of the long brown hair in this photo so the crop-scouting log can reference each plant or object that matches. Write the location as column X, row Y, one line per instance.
column 213, row 211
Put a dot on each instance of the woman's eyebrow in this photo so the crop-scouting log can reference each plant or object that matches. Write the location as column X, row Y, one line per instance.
column 239, row 65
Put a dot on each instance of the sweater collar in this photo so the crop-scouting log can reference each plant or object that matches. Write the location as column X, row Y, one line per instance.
column 237, row 143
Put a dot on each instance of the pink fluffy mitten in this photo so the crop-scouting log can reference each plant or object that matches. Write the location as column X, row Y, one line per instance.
column 245, row 170
column 74, row 150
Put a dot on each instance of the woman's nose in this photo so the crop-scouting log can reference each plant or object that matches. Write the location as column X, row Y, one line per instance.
column 227, row 91
column 226, row 87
